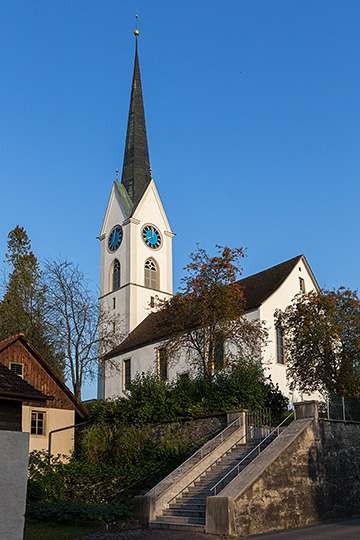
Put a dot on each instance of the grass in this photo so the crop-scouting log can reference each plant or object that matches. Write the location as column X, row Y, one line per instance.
column 56, row 531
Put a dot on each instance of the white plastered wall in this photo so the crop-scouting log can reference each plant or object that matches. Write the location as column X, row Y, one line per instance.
column 142, row 360
column 280, row 299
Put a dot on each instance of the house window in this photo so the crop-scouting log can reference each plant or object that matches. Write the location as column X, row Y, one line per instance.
column 219, row 353
column 151, row 275
column 116, row 275
column 17, row 368
column 279, row 346
column 114, row 303
column 126, row 374
column 302, row 284
column 163, row 364
column 37, row 423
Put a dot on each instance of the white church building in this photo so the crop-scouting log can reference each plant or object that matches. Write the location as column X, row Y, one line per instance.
column 136, row 268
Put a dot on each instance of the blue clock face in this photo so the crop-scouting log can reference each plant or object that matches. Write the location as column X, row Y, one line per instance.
column 151, row 236
column 115, row 238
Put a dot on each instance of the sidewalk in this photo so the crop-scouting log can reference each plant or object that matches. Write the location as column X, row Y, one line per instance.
column 339, row 530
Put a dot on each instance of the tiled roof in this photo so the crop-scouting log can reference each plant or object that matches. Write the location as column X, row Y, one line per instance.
column 11, row 385
column 257, row 288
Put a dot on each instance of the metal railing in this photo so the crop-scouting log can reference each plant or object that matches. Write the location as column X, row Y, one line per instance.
column 201, row 452
column 207, row 468
column 256, row 449
column 258, row 422
column 250, row 434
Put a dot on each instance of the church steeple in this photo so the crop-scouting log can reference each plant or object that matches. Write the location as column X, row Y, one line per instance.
column 136, row 169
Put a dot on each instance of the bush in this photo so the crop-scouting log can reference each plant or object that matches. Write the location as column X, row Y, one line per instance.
column 153, row 400
column 78, row 511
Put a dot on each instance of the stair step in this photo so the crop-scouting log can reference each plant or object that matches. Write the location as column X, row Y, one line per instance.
column 177, row 526
column 184, row 512
column 194, row 520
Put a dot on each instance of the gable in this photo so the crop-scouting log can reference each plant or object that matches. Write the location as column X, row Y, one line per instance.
column 150, row 205
column 39, row 374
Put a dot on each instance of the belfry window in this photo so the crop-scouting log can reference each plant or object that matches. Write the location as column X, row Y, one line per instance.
column 116, row 275
column 151, row 275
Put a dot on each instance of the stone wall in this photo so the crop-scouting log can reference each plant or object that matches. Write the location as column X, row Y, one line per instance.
column 310, row 473
column 192, row 431
column 334, row 470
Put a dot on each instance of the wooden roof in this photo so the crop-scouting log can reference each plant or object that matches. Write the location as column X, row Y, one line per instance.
column 39, row 374
column 257, row 288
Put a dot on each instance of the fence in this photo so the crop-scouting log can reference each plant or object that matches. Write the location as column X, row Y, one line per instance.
column 340, row 408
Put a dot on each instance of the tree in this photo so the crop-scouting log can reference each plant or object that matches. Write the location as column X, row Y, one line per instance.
column 22, row 309
column 207, row 319
column 321, row 333
column 74, row 317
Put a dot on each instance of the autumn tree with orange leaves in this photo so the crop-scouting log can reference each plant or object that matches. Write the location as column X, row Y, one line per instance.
column 321, row 333
column 206, row 320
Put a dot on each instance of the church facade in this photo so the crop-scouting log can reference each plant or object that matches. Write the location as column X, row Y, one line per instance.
column 136, row 268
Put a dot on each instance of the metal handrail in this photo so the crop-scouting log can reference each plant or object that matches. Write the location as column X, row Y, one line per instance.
column 209, row 467
column 257, row 447
column 199, row 451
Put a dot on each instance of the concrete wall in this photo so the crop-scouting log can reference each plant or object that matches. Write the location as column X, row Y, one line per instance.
column 310, row 473
column 14, row 452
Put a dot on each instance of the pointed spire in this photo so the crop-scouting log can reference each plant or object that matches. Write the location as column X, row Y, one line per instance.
column 136, row 169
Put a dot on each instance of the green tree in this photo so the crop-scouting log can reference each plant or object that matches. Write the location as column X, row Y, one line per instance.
column 321, row 333
column 22, row 309
column 207, row 320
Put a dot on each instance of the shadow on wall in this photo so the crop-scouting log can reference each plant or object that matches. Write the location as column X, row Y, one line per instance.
column 334, row 468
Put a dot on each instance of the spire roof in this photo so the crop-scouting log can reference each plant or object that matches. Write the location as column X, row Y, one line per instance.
column 136, row 174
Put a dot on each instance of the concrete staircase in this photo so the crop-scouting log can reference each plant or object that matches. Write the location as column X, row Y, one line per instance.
column 188, row 510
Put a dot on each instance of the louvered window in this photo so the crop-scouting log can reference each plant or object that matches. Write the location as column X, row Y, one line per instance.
column 151, row 275
column 17, row 368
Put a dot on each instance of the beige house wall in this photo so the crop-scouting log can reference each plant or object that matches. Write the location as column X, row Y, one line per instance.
column 61, row 442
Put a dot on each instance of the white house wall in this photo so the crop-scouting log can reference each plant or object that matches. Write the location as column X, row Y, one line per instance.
column 280, row 299
column 142, row 360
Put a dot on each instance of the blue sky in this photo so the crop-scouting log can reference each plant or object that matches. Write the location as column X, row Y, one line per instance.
column 253, row 119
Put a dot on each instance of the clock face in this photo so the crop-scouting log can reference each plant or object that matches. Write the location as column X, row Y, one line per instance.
column 115, row 238
column 151, row 237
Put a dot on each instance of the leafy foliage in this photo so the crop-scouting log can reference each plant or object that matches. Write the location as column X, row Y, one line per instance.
column 78, row 511
column 152, row 399
column 208, row 316
column 23, row 307
column 322, row 342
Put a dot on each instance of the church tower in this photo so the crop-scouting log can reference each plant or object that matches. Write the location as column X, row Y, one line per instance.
column 136, row 238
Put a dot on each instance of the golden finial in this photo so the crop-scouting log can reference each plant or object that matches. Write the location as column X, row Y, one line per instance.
column 117, row 175
column 136, row 33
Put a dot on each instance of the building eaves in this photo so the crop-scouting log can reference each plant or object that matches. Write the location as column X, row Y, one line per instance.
column 14, row 387
column 79, row 407
column 257, row 288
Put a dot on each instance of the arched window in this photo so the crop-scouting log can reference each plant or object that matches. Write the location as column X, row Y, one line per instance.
column 151, row 274
column 115, row 275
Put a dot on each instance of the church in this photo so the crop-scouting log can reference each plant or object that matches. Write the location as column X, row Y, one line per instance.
column 136, row 268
